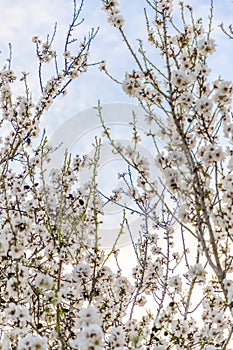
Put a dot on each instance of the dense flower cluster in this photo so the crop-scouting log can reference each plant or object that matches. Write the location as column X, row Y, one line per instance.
column 113, row 12
column 190, row 123
column 137, row 84
column 59, row 288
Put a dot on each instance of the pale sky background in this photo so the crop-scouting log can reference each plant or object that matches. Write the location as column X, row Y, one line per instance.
column 20, row 20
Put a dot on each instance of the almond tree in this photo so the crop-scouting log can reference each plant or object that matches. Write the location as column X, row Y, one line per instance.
column 58, row 289
column 191, row 282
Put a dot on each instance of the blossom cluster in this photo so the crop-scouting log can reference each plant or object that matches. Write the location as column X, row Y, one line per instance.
column 59, row 288
column 114, row 16
column 137, row 84
column 190, row 123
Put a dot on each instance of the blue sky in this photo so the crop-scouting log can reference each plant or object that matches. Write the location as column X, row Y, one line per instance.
column 21, row 19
